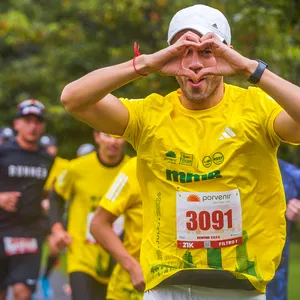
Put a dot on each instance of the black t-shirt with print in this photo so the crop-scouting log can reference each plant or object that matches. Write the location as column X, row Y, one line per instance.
column 26, row 172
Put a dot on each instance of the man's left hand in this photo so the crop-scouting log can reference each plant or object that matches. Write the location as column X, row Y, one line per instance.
column 293, row 210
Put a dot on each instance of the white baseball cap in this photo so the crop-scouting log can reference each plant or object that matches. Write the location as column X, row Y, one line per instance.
column 203, row 19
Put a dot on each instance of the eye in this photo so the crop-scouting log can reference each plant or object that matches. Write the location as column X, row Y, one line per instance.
column 206, row 51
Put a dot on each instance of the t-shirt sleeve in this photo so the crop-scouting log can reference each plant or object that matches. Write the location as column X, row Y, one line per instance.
column 64, row 183
column 267, row 110
column 135, row 123
column 58, row 166
column 123, row 192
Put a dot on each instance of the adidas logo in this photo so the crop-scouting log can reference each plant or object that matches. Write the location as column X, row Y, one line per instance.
column 215, row 25
column 227, row 134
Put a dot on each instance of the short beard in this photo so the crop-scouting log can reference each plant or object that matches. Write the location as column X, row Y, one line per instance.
column 197, row 98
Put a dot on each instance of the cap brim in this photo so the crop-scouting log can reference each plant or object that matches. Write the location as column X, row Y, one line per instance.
column 42, row 117
column 200, row 29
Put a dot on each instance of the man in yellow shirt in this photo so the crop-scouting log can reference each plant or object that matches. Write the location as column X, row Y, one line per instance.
column 122, row 198
column 84, row 183
column 213, row 200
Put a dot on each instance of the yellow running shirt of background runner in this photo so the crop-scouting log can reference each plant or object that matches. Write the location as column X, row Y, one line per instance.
column 59, row 165
column 124, row 198
column 226, row 147
column 84, row 183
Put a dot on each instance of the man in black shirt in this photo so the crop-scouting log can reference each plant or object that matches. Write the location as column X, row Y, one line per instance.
column 24, row 168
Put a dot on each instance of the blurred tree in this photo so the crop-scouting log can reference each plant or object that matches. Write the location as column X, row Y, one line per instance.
column 46, row 44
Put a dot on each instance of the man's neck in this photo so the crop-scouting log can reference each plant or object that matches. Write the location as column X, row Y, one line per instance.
column 26, row 145
column 211, row 101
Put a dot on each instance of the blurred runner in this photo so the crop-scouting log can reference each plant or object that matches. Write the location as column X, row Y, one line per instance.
column 24, row 168
column 84, row 184
column 123, row 198
column 85, row 149
column 6, row 134
column 277, row 289
column 49, row 143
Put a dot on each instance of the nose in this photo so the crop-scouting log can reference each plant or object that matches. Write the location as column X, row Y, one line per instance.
column 193, row 61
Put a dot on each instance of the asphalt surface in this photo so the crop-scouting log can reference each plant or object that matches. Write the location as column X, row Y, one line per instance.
column 58, row 282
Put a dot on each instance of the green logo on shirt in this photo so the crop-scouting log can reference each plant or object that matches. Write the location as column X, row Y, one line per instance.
column 171, row 157
column 179, row 176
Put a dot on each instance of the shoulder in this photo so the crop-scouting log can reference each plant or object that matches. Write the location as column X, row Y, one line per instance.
column 152, row 100
column 237, row 93
column 130, row 164
column 9, row 145
column 83, row 160
column 44, row 154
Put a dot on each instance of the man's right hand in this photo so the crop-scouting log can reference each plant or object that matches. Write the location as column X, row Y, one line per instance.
column 59, row 239
column 137, row 278
column 9, row 200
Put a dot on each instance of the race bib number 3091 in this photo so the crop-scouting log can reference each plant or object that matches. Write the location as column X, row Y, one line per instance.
column 208, row 219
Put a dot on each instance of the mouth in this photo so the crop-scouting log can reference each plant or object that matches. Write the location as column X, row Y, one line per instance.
column 197, row 83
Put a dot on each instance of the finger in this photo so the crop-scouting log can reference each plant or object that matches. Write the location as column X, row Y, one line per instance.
column 292, row 208
column 190, row 36
column 10, row 208
column 290, row 216
column 213, row 43
column 210, row 35
column 294, row 201
column 208, row 71
column 140, row 286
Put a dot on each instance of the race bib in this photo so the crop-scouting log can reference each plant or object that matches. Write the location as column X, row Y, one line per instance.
column 208, row 219
column 18, row 246
column 89, row 238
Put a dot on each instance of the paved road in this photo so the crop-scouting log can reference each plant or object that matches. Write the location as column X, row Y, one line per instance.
column 58, row 281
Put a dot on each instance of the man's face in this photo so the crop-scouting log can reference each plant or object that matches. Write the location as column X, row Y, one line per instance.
column 195, row 60
column 29, row 128
column 109, row 146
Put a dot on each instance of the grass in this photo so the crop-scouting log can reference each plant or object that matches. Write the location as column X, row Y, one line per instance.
column 294, row 272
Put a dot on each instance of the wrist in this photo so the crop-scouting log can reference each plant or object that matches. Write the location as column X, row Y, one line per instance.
column 250, row 68
column 130, row 264
column 140, row 65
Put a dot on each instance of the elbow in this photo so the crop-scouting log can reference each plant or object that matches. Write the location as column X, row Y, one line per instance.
column 68, row 98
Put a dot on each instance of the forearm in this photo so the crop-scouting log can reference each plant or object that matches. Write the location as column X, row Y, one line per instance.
column 286, row 94
column 96, row 85
column 107, row 238
column 56, row 211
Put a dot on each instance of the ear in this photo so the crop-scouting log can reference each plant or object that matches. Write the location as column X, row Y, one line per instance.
column 16, row 125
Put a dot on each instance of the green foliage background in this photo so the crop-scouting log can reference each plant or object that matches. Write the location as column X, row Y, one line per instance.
column 46, row 44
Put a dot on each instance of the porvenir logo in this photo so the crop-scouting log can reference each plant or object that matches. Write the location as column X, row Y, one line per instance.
column 180, row 176
column 193, row 198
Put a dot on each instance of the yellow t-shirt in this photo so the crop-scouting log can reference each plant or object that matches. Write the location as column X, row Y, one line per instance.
column 59, row 165
column 124, row 198
column 85, row 182
column 223, row 156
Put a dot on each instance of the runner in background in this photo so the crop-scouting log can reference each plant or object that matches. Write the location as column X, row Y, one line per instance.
column 47, row 291
column 277, row 289
column 24, row 168
column 49, row 143
column 85, row 149
column 84, row 184
column 123, row 198
column 6, row 134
